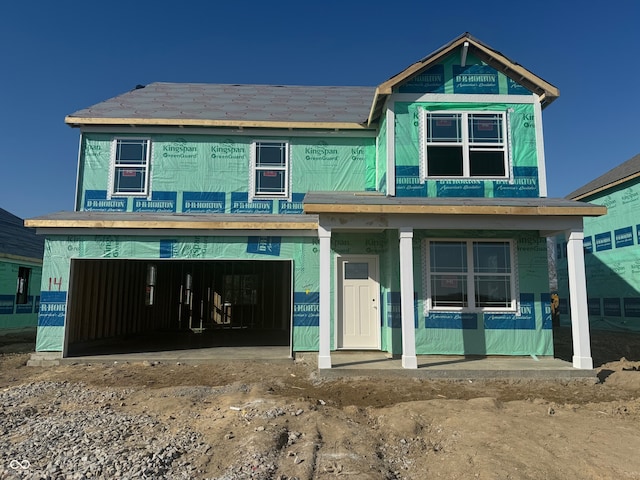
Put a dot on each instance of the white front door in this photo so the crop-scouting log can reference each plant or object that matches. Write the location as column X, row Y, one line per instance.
column 358, row 298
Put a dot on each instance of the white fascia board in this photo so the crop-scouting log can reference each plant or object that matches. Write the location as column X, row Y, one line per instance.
column 377, row 146
column 542, row 170
column 391, row 149
column 461, row 98
column 235, row 131
column 78, row 200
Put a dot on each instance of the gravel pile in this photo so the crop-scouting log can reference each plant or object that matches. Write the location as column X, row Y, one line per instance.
column 77, row 434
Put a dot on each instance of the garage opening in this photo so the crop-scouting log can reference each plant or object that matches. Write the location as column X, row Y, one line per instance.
column 142, row 305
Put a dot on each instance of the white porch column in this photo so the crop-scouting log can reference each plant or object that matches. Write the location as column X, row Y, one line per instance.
column 578, row 300
column 409, row 359
column 324, row 347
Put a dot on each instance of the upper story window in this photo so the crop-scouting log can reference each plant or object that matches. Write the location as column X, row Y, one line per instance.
column 130, row 159
column 470, row 275
column 270, row 169
column 465, row 145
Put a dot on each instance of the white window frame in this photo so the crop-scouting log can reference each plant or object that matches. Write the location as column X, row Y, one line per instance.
column 466, row 144
column 470, row 276
column 23, row 285
column 115, row 165
column 253, row 193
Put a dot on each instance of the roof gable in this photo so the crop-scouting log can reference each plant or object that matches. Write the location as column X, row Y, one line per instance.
column 468, row 49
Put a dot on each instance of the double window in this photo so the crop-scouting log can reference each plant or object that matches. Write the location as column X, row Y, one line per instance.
column 130, row 166
column 470, row 275
column 270, row 169
column 465, row 144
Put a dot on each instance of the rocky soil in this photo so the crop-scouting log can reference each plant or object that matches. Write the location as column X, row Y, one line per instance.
column 252, row 420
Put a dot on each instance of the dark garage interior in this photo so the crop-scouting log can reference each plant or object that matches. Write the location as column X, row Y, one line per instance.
column 120, row 306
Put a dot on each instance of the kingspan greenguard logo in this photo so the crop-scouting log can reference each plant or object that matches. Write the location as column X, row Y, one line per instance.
column 94, row 148
column 180, row 148
column 73, row 245
column 630, row 196
column 528, row 120
column 227, row 149
column 357, row 154
column 619, row 268
column 109, row 246
column 321, row 152
column 609, row 202
column 197, row 249
column 531, row 244
column 95, row 154
column 375, row 245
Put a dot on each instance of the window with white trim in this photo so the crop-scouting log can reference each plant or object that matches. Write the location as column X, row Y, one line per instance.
column 22, row 288
column 270, row 169
column 465, row 144
column 130, row 159
column 470, row 275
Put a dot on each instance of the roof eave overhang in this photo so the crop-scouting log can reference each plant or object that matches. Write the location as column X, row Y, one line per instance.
column 603, row 188
column 21, row 258
column 545, row 91
column 173, row 122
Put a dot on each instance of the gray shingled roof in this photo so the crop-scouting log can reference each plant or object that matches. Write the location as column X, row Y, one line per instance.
column 357, row 198
column 85, row 216
column 15, row 239
column 627, row 169
column 199, row 101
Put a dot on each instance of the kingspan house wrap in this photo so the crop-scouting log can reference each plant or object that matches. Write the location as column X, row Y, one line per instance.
column 410, row 217
column 612, row 250
column 20, row 273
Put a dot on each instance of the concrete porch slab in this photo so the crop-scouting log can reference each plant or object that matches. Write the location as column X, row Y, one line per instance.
column 346, row 364
column 349, row 364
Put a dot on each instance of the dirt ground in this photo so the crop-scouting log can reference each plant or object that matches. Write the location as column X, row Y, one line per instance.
column 372, row 428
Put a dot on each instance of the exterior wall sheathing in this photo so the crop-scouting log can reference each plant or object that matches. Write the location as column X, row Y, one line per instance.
column 60, row 251
column 347, row 164
column 18, row 315
column 528, row 332
column 612, row 262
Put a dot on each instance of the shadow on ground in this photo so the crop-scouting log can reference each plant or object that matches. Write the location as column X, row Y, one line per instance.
column 605, row 346
column 18, row 341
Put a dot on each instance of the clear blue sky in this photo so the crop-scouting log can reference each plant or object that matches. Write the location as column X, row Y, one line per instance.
column 58, row 57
